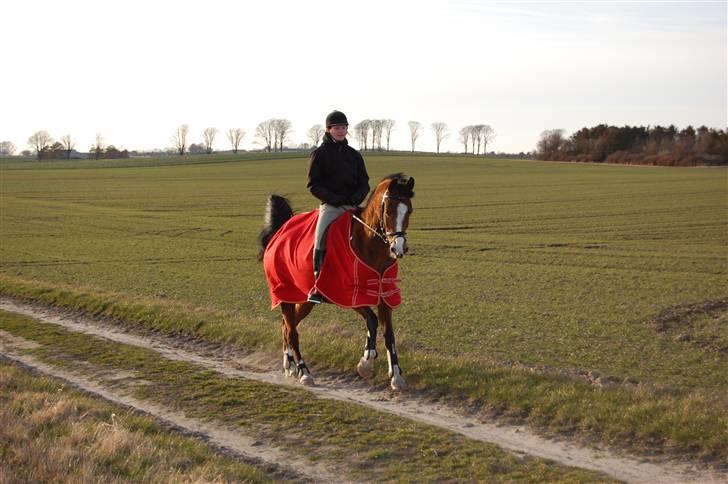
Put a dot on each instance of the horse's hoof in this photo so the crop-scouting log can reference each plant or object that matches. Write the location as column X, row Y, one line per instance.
column 365, row 368
column 397, row 383
column 307, row 380
column 289, row 372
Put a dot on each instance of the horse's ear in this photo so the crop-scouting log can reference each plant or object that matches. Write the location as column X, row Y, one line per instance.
column 411, row 183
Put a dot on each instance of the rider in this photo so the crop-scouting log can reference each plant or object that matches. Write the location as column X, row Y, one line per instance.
column 336, row 176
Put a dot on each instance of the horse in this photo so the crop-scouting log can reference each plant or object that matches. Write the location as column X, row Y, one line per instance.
column 378, row 238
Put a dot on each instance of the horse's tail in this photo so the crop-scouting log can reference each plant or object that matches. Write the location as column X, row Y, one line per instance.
column 277, row 211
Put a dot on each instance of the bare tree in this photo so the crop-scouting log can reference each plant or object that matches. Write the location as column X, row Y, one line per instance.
column 281, row 131
column 440, row 130
column 68, row 145
column 180, row 138
column 7, row 148
column 276, row 133
column 377, row 126
column 98, row 147
column 415, row 131
column 265, row 132
column 488, row 135
column 40, row 141
column 361, row 133
column 387, row 127
column 465, row 137
column 208, row 137
column 474, row 130
column 315, row 133
column 477, row 137
column 235, row 135
column 551, row 141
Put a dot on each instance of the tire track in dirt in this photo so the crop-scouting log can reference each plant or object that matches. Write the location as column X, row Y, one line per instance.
column 517, row 439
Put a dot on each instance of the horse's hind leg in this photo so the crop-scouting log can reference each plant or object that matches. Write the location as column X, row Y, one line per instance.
column 365, row 367
column 293, row 362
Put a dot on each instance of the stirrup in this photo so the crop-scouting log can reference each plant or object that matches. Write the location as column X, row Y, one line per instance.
column 315, row 297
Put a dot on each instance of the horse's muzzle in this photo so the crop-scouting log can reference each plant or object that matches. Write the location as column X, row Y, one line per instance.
column 398, row 248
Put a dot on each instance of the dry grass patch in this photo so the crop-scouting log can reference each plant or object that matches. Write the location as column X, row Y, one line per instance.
column 49, row 433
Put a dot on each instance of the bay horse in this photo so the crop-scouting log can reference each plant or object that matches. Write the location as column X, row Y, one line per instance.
column 378, row 238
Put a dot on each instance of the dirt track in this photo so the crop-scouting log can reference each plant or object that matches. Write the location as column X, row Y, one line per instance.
column 515, row 439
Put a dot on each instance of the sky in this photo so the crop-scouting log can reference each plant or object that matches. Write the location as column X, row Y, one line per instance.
column 134, row 70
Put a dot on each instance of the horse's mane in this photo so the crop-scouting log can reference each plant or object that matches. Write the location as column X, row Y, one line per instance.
column 400, row 188
column 370, row 210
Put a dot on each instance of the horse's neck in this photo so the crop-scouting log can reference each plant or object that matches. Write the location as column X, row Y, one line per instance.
column 370, row 247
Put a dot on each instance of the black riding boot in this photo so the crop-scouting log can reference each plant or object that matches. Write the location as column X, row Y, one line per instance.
column 318, row 260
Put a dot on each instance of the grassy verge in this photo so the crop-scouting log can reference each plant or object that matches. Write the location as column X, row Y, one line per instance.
column 371, row 446
column 640, row 417
column 50, row 433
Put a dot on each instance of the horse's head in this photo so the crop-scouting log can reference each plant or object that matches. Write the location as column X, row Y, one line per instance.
column 396, row 208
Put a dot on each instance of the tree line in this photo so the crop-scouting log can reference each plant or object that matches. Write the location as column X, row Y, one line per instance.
column 272, row 134
column 651, row 145
column 46, row 148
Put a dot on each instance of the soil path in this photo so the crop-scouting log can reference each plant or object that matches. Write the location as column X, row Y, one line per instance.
column 517, row 439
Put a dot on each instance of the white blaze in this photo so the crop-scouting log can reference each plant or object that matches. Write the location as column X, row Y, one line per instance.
column 399, row 241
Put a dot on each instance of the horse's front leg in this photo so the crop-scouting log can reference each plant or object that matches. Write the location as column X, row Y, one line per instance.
column 293, row 363
column 395, row 373
column 365, row 368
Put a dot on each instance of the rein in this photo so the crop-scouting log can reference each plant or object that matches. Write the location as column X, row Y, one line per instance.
column 375, row 231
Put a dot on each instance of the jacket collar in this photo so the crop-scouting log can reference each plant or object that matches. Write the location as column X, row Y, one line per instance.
column 328, row 140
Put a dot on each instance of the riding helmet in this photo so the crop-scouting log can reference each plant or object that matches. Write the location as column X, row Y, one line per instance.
column 336, row 117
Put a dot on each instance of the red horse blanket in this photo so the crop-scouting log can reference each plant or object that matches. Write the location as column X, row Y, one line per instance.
column 344, row 279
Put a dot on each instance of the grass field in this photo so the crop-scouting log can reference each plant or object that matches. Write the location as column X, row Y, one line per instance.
column 583, row 298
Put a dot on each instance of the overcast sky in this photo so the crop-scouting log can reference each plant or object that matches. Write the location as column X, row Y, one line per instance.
column 133, row 70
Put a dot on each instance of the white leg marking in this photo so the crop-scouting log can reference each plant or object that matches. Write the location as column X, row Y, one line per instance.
column 396, row 382
column 389, row 360
column 370, row 354
column 365, row 367
column 306, row 378
column 287, row 362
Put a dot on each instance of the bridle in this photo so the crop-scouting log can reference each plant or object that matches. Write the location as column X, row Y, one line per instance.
column 381, row 231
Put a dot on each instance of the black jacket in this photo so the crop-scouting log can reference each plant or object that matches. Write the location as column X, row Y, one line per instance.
column 336, row 173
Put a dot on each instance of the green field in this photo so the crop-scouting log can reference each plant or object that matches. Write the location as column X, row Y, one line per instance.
column 525, row 280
